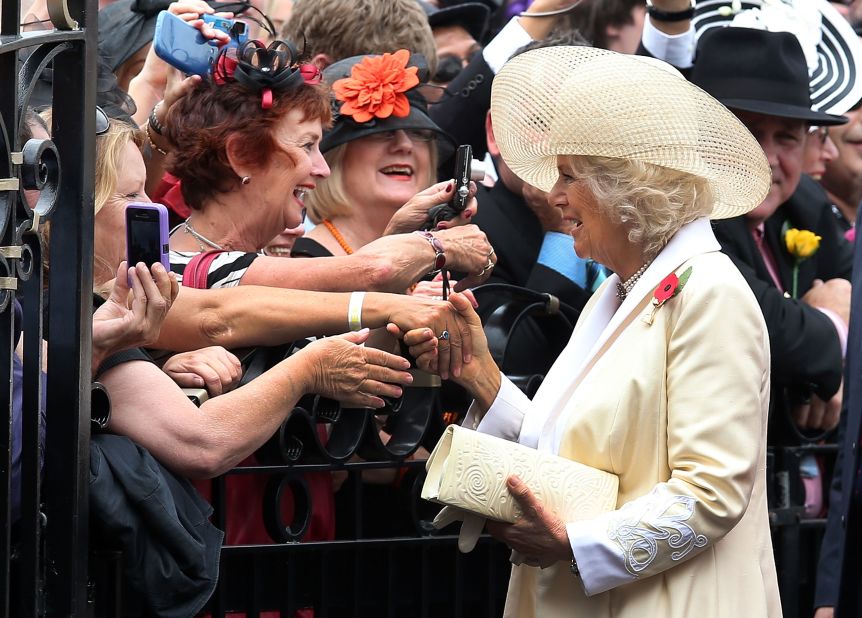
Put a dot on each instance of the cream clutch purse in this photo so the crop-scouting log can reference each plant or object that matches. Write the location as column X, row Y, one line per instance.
column 468, row 470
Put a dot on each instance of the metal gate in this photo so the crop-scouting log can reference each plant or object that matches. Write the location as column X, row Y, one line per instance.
column 43, row 556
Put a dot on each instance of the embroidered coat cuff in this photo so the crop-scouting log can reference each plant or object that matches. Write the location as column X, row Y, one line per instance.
column 600, row 562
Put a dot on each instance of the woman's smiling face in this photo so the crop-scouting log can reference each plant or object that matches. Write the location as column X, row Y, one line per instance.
column 596, row 236
column 387, row 168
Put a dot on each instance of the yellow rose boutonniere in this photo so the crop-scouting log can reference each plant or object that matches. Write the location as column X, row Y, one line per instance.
column 801, row 244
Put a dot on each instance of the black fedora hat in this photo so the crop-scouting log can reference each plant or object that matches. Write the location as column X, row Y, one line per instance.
column 471, row 16
column 346, row 127
column 757, row 71
column 833, row 71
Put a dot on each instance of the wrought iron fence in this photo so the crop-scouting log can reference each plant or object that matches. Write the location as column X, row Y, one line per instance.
column 43, row 555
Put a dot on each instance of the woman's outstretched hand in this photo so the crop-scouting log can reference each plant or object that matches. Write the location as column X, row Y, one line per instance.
column 212, row 368
column 539, row 535
column 433, row 354
column 357, row 376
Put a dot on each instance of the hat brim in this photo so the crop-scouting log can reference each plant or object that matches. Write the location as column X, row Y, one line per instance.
column 571, row 101
column 794, row 112
column 834, row 86
column 345, row 130
column 471, row 16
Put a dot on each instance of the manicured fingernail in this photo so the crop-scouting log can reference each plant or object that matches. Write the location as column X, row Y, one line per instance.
column 449, row 187
column 456, row 372
column 468, row 358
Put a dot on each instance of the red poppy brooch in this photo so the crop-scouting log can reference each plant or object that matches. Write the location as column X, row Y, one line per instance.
column 376, row 87
column 669, row 287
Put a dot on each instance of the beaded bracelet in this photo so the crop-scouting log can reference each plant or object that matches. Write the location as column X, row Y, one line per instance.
column 152, row 143
column 153, row 120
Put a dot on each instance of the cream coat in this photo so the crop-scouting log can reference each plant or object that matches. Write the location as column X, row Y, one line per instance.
column 677, row 408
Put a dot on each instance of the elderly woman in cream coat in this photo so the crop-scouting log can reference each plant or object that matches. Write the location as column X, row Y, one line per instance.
column 665, row 381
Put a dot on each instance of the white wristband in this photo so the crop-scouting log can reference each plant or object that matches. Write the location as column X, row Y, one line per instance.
column 354, row 310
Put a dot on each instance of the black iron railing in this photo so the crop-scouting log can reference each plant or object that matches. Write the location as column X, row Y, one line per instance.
column 43, row 555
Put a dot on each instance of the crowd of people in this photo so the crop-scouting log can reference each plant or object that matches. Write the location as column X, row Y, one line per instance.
column 685, row 177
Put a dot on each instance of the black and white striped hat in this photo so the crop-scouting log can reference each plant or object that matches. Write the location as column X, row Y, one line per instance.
column 834, row 81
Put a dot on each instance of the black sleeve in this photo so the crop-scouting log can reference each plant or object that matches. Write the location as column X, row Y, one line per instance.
column 545, row 279
column 307, row 247
column 840, row 251
column 828, row 565
column 803, row 342
column 461, row 112
column 134, row 354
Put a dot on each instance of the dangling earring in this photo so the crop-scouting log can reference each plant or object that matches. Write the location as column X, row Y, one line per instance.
column 245, row 180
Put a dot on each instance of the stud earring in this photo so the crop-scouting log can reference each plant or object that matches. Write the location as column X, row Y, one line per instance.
column 246, row 179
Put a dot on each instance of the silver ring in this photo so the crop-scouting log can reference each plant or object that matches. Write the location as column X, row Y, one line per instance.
column 491, row 253
column 444, row 336
column 436, row 298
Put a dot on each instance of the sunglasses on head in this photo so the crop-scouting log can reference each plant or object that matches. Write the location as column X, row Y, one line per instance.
column 102, row 124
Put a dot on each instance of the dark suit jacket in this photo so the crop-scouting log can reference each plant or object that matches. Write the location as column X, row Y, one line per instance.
column 840, row 572
column 461, row 112
column 516, row 235
column 804, row 344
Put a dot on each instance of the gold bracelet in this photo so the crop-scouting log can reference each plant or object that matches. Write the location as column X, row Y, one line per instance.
column 152, row 144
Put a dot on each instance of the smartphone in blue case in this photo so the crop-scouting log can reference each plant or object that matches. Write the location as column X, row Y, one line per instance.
column 183, row 46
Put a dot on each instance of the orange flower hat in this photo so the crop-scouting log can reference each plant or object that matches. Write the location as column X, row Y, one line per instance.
column 376, row 87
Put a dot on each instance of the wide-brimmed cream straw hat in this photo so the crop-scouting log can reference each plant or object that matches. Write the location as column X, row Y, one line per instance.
column 586, row 101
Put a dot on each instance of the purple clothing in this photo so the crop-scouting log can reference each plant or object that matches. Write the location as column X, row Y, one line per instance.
column 17, row 420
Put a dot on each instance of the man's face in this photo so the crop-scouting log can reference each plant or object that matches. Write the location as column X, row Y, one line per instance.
column 455, row 49
column 783, row 142
column 845, row 171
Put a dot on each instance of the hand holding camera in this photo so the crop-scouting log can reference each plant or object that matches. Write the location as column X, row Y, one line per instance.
column 467, row 170
column 442, row 205
column 191, row 44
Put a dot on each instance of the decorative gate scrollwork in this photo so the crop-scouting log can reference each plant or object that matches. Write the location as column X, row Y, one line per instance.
column 43, row 551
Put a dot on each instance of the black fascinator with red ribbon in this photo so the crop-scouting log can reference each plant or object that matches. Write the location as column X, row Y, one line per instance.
column 264, row 68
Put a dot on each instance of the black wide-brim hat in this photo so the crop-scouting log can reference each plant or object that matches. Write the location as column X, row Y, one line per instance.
column 345, row 129
column 472, row 16
column 757, row 71
column 834, row 86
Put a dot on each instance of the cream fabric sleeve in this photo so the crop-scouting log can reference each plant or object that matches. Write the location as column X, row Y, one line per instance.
column 505, row 416
column 717, row 380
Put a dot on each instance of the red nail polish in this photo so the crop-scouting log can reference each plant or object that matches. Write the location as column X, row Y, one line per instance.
column 449, row 187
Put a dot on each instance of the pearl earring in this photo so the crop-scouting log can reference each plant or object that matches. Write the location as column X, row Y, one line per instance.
column 246, row 179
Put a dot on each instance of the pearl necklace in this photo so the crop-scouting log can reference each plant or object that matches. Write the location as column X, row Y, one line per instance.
column 199, row 237
column 626, row 286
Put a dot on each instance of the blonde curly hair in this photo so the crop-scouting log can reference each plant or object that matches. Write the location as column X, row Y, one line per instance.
column 652, row 202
